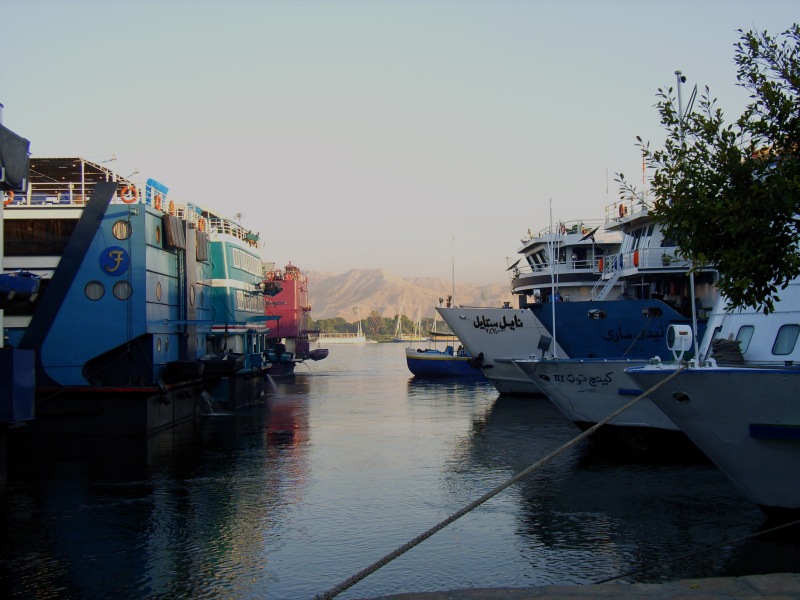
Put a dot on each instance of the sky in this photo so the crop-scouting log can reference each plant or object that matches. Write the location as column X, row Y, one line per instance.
column 424, row 138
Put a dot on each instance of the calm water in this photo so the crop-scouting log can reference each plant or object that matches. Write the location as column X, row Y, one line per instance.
column 343, row 466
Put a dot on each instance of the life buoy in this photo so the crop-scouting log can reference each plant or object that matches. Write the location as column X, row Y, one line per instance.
column 171, row 207
column 157, row 202
column 270, row 276
column 129, row 194
column 621, row 210
column 9, row 198
column 201, row 224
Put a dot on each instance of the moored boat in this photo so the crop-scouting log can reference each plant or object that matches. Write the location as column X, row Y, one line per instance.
column 236, row 352
column 17, row 372
column 650, row 293
column 123, row 294
column 436, row 361
column 289, row 337
column 738, row 404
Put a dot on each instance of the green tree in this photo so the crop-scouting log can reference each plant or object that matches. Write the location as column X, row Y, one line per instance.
column 374, row 322
column 729, row 195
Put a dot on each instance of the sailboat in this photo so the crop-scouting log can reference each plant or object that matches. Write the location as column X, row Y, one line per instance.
column 417, row 336
column 344, row 338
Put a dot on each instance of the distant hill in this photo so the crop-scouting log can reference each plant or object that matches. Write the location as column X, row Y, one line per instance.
column 338, row 295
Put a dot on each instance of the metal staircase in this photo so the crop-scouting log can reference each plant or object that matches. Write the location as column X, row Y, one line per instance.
column 607, row 280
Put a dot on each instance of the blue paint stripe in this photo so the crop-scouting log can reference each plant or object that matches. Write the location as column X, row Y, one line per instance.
column 629, row 392
column 774, row 432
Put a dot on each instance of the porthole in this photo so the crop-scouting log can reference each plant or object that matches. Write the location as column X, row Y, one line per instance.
column 191, row 296
column 166, row 344
column 121, row 230
column 158, row 345
column 94, row 290
column 158, row 234
column 158, row 291
column 123, row 290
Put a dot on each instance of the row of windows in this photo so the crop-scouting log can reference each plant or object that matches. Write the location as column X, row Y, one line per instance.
column 123, row 290
column 246, row 262
column 785, row 341
column 249, row 302
column 95, row 290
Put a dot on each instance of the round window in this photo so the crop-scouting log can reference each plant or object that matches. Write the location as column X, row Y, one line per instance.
column 123, row 290
column 121, row 230
column 94, row 290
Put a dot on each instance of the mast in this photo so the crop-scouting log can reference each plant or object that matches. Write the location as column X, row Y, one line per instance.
column 453, row 269
column 553, row 278
column 682, row 79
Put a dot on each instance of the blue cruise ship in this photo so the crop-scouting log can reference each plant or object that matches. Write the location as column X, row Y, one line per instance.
column 124, row 311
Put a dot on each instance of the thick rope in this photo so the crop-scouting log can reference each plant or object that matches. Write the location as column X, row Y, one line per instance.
column 695, row 552
column 332, row 593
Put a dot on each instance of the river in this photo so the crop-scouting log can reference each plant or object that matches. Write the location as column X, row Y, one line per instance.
column 354, row 458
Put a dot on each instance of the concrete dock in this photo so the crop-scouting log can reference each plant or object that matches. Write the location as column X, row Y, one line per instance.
column 776, row 586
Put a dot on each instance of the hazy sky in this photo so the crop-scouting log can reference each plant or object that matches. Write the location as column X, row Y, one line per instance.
column 370, row 134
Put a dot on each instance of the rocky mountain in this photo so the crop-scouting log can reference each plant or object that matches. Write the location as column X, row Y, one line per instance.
column 338, row 295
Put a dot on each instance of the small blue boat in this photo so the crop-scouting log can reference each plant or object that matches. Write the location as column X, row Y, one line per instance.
column 448, row 362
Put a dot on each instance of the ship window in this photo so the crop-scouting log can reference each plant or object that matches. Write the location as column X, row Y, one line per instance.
column 786, row 340
column 94, row 290
column 40, row 237
column 158, row 291
column 158, row 345
column 158, row 234
column 123, row 290
column 166, row 344
column 744, row 336
column 121, row 230
column 191, row 295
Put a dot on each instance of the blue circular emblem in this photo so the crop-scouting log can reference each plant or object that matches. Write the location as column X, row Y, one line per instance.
column 114, row 261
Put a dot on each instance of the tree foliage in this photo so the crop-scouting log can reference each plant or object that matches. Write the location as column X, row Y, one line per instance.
column 729, row 195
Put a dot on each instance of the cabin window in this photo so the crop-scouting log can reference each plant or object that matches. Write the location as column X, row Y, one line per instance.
column 158, row 291
column 123, row 290
column 786, row 340
column 121, row 230
column 191, row 295
column 744, row 336
column 40, row 237
column 94, row 290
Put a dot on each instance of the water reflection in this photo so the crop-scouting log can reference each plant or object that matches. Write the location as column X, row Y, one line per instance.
column 339, row 467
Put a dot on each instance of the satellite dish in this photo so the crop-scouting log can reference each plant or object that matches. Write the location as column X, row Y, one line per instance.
column 590, row 234
column 514, row 265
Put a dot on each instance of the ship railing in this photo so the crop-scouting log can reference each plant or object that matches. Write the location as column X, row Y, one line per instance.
column 652, row 258
column 625, row 207
column 591, row 265
column 564, row 228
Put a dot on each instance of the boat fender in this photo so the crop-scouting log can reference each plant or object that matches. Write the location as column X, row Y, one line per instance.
column 9, row 198
column 129, row 194
column 157, row 202
column 171, row 207
column 201, row 224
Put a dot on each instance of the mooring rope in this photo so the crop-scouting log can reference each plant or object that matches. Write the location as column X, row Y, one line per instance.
column 348, row 583
column 695, row 552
